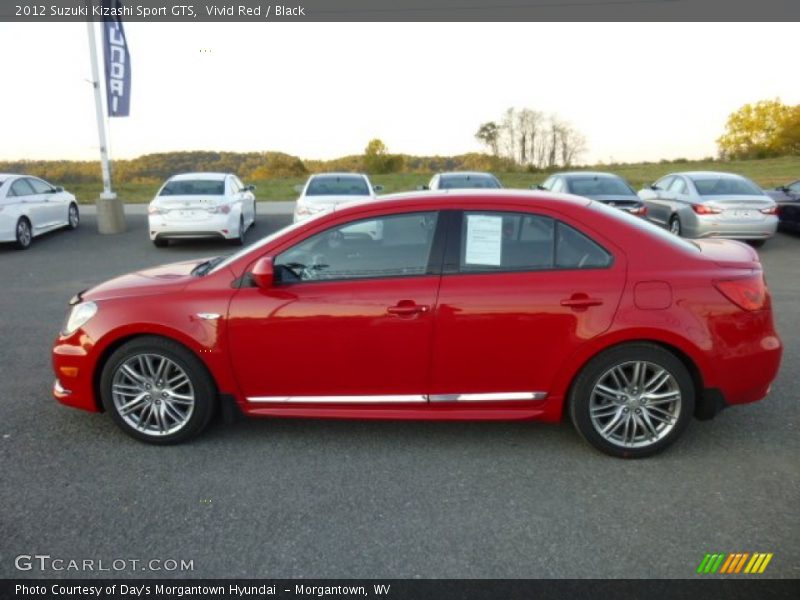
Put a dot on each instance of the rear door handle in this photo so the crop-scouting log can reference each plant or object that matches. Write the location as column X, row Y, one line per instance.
column 407, row 309
column 579, row 301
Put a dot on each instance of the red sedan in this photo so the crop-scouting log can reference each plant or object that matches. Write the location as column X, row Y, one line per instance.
column 475, row 305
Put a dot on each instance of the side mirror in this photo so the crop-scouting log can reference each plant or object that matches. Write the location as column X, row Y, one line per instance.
column 377, row 188
column 250, row 188
column 539, row 186
column 422, row 187
column 298, row 188
column 263, row 273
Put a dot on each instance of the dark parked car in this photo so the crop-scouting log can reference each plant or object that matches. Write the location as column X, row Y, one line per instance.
column 788, row 199
column 607, row 188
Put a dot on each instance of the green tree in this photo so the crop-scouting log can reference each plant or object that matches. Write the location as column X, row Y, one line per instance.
column 378, row 160
column 766, row 128
column 489, row 134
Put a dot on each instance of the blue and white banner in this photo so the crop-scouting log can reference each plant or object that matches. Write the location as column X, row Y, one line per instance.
column 118, row 61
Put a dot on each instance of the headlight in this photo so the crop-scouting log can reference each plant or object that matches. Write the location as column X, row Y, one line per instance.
column 79, row 316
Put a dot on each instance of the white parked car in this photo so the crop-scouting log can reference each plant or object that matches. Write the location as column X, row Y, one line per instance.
column 463, row 180
column 30, row 206
column 325, row 191
column 202, row 205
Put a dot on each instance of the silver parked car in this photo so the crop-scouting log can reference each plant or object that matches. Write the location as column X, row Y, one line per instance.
column 706, row 204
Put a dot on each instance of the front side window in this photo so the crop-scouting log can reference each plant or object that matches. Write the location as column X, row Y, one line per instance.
column 558, row 185
column 663, row 183
column 39, row 186
column 390, row 246
column 501, row 242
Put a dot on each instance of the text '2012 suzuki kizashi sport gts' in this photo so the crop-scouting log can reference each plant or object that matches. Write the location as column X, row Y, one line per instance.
column 464, row 305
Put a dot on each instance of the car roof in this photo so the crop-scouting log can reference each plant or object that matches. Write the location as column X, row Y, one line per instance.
column 211, row 176
column 439, row 199
column 465, row 173
column 708, row 174
column 338, row 174
column 587, row 174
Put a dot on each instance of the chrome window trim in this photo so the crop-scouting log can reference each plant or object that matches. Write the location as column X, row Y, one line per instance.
column 401, row 399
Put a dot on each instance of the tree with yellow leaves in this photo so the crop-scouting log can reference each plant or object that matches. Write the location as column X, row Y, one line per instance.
column 766, row 128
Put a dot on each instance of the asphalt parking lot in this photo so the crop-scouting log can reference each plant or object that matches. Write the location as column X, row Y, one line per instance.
column 313, row 498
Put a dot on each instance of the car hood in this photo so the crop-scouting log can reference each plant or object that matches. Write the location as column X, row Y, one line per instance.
column 156, row 280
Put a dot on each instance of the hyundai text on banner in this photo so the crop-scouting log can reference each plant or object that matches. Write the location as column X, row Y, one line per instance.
column 117, row 59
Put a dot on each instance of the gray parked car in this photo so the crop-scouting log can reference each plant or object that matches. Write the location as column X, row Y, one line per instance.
column 705, row 204
column 607, row 188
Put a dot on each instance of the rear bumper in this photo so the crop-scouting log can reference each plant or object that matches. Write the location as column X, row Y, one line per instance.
column 212, row 226
column 713, row 226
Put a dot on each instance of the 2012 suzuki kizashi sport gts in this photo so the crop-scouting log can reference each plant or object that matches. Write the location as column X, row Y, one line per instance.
column 472, row 305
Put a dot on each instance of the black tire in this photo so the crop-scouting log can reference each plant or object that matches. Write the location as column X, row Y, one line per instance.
column 626, row 409
column 200, row 386
column 757, row 243
column 160, row 243
column 239, row 239
column 73, row 216
column 255, row 214
column 675, row 225
column 23, row 233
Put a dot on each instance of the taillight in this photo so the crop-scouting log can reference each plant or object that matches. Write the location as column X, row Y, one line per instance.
column 702, row 209
column 749, row 293
column 220, row 208
column 155, row 210
column 772, row 210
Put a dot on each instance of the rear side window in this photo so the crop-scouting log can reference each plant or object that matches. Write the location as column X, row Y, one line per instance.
column 503, row 241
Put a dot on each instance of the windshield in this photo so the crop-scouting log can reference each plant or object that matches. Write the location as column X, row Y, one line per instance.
column 468, row 181
column 725, row 186
column 646, row 226
column 337, row 185
column 599, row 186
column 193, row 187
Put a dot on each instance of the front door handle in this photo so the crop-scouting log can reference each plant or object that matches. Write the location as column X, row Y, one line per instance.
column 581, row 301
column 407, row 308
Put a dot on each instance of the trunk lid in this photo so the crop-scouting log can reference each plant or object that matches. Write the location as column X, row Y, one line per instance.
column 729, row 253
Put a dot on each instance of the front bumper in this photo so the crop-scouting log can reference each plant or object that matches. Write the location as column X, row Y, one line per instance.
column 73, row 364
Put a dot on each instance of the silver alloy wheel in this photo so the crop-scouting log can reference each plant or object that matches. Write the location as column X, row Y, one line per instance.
column 675, row 226
column 635, row 404
column 23, row 233
column 73, row 216
column 153, row 394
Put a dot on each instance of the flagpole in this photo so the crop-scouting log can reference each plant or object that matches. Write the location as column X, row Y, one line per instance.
column 110, row 211
column 98, row 104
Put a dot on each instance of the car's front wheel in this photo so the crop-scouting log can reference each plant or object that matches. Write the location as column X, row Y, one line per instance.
column 73, row 216
column 633, row 400
column 157, row 391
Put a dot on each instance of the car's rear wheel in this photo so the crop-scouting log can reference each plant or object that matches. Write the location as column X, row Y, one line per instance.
column 23, row 234
column 757, row 243
column 633, row 400
column 73, row 216
column 675, row 225
column 157, row 391
column 239, row 239
column 160, row 243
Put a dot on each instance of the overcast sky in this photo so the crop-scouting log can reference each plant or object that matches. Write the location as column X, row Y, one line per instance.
column 639, row 91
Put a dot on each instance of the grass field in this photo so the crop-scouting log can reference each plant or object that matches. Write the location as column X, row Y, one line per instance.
column 766, row 173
